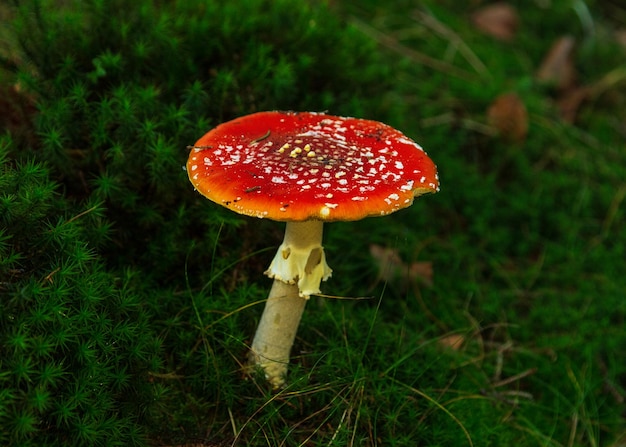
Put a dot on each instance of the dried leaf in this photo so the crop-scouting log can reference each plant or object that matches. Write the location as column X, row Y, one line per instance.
column 557, row 67
column 508, row 114
column 421, row 271
column 570, row 101
column 391, row 267
column 387, row 261
column 499, row 20
column 452, row 341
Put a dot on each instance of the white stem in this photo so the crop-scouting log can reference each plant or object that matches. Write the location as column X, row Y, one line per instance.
column 298, row 268
column 277, row 331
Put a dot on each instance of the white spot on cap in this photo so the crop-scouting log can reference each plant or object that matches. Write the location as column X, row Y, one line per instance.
column 408, row 186
column 411, row 142
column 325, row 210
column 391, row 197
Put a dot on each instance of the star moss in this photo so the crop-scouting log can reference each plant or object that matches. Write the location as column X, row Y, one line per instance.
column 73, row 338
column 97, row 216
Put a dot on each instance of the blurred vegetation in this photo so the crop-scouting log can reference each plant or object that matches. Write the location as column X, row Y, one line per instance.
column 127, row 301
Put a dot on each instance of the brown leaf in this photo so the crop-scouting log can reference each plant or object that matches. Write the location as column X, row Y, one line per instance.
column 499, row 20
column 508, row 114
column 452, row 341
column 557, row 67
column 570, row 101
column 421, row 271
column 392, row 268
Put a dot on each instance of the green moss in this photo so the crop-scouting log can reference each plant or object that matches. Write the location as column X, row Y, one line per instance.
column 127, row 301
column 66, row 328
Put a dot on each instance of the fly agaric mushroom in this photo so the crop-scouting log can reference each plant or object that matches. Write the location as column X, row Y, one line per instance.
column 305, row 169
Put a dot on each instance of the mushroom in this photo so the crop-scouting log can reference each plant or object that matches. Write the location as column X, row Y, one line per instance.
column 304, row 168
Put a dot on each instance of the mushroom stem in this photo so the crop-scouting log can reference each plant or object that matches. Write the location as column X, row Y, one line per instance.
column 298, row 268
column 277, row 331
column 300, row 258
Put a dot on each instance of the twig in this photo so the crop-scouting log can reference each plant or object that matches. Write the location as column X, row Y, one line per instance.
column 393, row 44
column 438, row 27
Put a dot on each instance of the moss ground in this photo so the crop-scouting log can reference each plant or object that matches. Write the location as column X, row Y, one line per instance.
column 491, row 313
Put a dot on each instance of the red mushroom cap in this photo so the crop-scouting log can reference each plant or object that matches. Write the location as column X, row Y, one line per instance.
column 291, row 166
